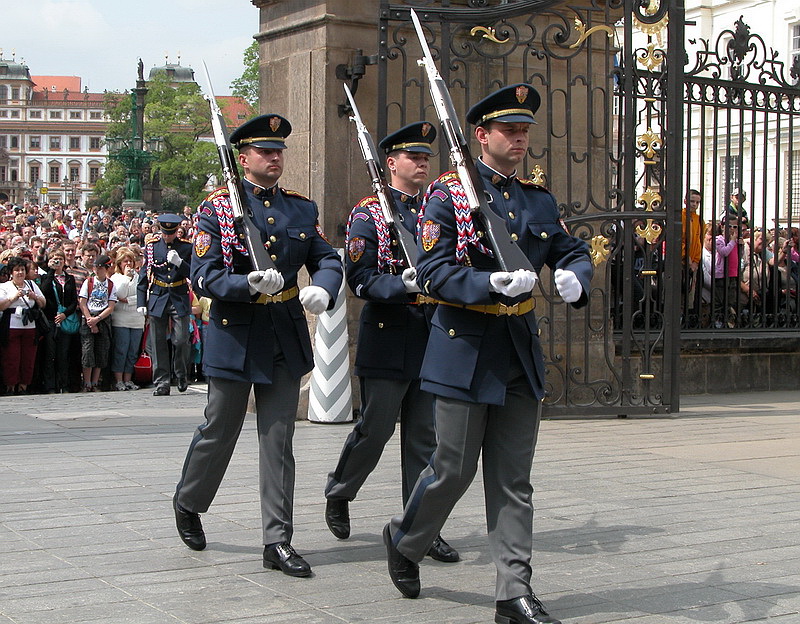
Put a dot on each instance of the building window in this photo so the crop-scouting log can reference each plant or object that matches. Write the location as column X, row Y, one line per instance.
column 94, row 143
column 793, row 183
column 55, row 114
column 3, row 92
column 94, row 174
column 14, row 93
column 75, row 115
column 14, row 175
column 34, row 174
column 35, row 114
column 3, row 113
column 14, row 114
column 74, row 143
column 35, row 142
column 95, row 114
column 3, row 173
column 13, row 142
column 55, row 174
column 3, row 141
column 55, row 143
column 731, row 179
column 74, row 173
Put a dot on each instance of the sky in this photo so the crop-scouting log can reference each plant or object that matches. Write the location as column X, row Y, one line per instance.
column 102, row 40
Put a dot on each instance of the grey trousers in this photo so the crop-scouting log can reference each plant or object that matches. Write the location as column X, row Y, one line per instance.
column 213, row 444
column 179, row 336
column 506, row 435
column 382, row 401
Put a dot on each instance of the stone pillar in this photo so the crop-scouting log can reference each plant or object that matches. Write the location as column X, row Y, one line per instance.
column 301, row 43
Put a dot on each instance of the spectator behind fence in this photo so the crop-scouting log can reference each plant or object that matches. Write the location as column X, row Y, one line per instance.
column 726, row 275
column 126, row 322
column 59, row 289
column 97, row 299
column 18, row 334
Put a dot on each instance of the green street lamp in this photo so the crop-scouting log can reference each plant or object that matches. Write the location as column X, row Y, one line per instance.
column 134, row 152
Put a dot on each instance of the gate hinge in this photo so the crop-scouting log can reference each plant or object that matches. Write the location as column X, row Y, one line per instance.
column 353, row 73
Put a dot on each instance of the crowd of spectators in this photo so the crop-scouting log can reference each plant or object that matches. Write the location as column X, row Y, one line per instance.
column 80, row 270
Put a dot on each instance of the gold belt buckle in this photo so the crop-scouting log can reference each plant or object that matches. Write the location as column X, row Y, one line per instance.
column 508, row 310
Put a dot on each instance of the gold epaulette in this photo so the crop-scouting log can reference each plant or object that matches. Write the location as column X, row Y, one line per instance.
column 531, row 184
column 369, row 199
column 223, row 190
column 448, row 177
column 294, row 194
column 152, row 238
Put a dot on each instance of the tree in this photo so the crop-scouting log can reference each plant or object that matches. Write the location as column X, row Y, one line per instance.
column 246, row 86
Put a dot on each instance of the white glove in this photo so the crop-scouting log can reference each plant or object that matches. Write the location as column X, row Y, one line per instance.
column 173, row 257
column 315, row 299
column 409, row 278
column 142, row 310
column 513, row 284
column 567, row 285
column 267, row 282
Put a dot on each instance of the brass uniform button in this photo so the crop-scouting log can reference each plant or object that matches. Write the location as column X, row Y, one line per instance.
column 273, row 239
column 511, row 215
column 380, row 325
column 274, row 257
column 413, row 211
column 506, row 195
column 451, row 333
column 271, row 220
column 544, row 235
column 302, row 235
column 266, row 203
column 480, row 234
column 224, row 321
column 514, row 237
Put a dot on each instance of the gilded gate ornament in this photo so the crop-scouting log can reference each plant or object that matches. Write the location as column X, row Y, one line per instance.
column 488, row 33
column 585, row 34
column 649, row 143
column 599, row 250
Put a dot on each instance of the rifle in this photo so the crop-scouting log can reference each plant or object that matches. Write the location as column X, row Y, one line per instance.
column 405, row 240
column 508, row 254
column 244, row 224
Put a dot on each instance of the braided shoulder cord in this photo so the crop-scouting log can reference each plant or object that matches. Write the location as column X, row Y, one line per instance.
column 382, row 231
column 227, row 231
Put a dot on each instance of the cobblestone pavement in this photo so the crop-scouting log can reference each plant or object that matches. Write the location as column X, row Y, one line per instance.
column 685, row 519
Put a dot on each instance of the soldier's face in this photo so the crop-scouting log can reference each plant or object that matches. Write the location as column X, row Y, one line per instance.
column 504, row 145
column 409, row 169
column 262, row 165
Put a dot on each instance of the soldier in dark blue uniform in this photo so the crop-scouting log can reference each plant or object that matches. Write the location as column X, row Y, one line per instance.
column 257, row 337
column 483, row 360
column 392, row 336
column 163, row 295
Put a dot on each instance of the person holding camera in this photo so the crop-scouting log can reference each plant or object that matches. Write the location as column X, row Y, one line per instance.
column 18, row 296
column 60, row 292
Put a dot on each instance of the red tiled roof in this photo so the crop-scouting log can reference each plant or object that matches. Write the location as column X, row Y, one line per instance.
column 235, row 109
column 71, row 83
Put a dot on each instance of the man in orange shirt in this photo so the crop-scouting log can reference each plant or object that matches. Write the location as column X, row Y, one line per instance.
column 692, row 228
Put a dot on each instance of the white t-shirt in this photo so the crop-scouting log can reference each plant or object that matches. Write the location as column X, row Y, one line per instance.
column 103, row 291
column 9, row 291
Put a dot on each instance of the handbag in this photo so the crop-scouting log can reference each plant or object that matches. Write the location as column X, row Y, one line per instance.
column 72, row 323
column 143, row 368
column 34, row 315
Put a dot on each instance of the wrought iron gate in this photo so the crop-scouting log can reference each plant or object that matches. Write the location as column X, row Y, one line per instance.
column 607, row 144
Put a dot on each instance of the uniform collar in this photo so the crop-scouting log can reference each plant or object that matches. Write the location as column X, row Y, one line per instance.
column 405, row 197
column 495, row 177
column 260, row 191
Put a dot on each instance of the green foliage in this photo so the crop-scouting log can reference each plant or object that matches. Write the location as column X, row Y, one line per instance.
column 173, row 201
column 246, row 86
column 108, row 189
column 179, row 115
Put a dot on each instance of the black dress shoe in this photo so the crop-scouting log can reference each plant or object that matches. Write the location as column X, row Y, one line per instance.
column 522, row 610
column 403, row 572
column 189, row 526
column 337, row 516
column 282, row 557
column 442, row 551
column 182, row 384
column 161, row 391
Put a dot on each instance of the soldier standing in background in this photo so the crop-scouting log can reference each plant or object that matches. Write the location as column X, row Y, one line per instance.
column 163, row 295
column 393, row 332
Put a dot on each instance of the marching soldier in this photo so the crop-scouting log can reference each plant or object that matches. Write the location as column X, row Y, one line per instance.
column 483, row 360
column 257, row 337
column 163, row 295
column 392, row 335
